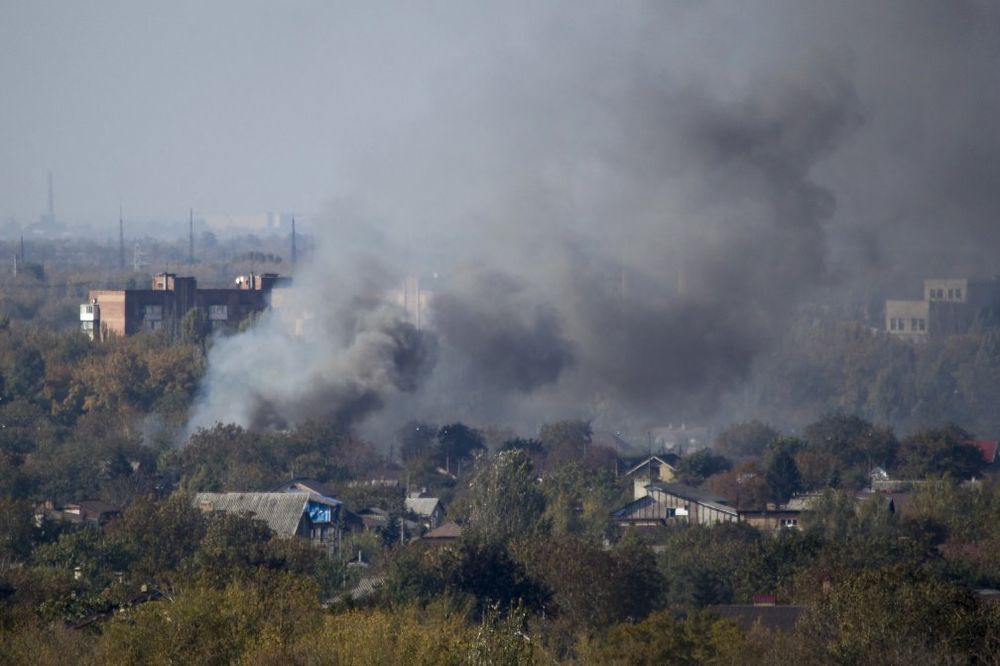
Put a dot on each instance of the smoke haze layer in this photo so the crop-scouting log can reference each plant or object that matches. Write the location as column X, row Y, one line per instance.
column 624, row 206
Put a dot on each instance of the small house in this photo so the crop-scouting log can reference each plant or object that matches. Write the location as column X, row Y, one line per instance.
column 304, row 515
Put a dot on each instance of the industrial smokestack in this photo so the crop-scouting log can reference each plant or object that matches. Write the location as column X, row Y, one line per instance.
column 121, row 239
column 191, row 236
column 295, row 253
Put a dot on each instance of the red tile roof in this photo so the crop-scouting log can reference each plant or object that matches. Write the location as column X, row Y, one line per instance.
column 987, row 447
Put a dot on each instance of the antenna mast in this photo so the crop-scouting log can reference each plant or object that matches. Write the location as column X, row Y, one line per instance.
column 121, row 238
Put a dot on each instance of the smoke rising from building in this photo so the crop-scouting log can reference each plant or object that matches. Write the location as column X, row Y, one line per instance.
column 628, row 205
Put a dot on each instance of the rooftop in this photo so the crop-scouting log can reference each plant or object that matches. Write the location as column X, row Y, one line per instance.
column 281, row 511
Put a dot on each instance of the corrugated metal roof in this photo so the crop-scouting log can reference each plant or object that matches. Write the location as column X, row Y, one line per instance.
column 304, row 485
column 644, row 508
column 694, row 495
column 281, row 511
column 422, row 506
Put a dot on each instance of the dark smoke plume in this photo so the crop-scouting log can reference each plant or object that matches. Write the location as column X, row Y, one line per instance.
column 629, row 205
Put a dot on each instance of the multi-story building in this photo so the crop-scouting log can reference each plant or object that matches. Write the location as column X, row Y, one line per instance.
column 129, row 311
column 948, row 307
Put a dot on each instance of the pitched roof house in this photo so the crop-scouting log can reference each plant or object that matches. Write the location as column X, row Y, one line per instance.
column 667, row 503
column 700, row 507
column 304, row 485
column 654, row 469
column 306, row 515
column 448, row 532
column 987, row 448
column 429, row 510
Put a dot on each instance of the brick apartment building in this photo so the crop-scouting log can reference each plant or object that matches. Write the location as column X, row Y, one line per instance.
column 129, row 311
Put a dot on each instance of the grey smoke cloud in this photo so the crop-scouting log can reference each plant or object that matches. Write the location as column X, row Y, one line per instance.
column 629, row 203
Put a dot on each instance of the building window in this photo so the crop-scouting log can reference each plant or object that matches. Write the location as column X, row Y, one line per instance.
column 789, row 522
column 922, row 324
column 958, row 294
column 87, row 325
column 951, row 294
column 151, row 312
column 154, row 324
column 218, row 312
column 89, row 309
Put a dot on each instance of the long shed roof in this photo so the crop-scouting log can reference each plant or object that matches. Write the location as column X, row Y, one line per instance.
column 281, row 511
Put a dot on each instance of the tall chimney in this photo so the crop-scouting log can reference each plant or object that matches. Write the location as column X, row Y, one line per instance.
column 295, row 254
column 121, row 239
column 191, row 237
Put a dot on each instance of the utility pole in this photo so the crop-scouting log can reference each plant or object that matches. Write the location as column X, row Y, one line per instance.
column 121, row 238
column 191, row 237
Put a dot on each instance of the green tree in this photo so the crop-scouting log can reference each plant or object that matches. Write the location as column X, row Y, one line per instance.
column 195, row 328
column 940, row 451
column 745, row 440
column 457, row 442
column 782, row 475
column 505, row 501
column 697, row 466
column 17, row 529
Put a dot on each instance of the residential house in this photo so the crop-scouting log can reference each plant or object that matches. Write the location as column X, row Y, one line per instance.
column 449, row 532
column 304, row 485
column 654, row 469
column 772, row 519
column 676, row 503
column 305, row 515
column 988, row 449
column 645, row 511
column 695, row 505
column 84, row 511
column 391, row 475
column 428, row 510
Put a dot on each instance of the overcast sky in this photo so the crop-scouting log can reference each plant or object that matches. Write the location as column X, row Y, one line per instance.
column 233, row 107
column 248, row 106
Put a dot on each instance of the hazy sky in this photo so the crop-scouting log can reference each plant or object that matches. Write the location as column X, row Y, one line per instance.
column 225, row 106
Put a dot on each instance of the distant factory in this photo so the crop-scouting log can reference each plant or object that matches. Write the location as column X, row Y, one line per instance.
column 125, row 312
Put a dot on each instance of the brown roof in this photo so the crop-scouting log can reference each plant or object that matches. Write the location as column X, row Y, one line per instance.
column 447, row 532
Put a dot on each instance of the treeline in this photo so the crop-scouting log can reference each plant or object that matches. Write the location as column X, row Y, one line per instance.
column 754, row 464
column 165, row 582
column 830, row 366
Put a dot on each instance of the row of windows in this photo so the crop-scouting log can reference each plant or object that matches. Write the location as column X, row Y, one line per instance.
column 899, row 324
column 953, row 294
column 215, row 312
